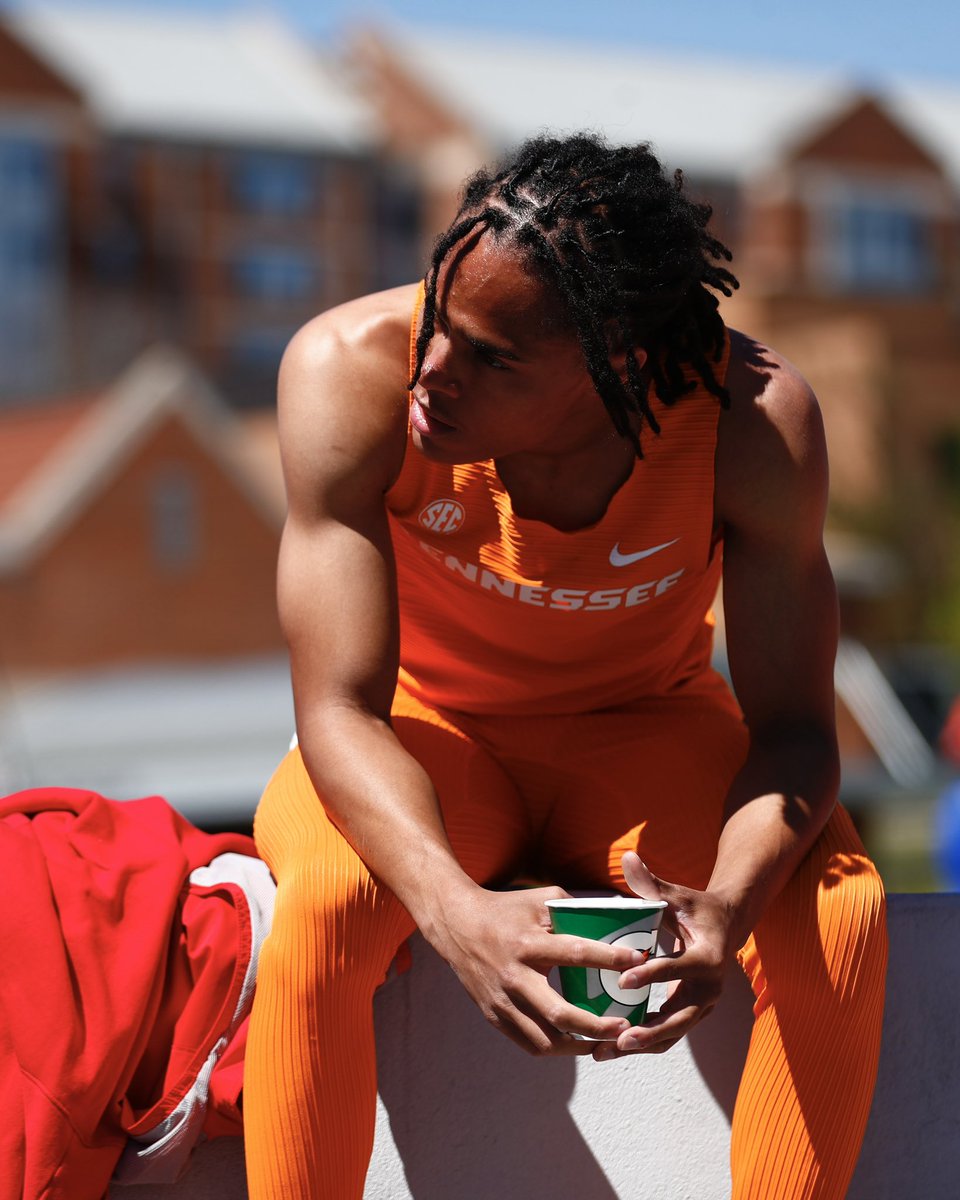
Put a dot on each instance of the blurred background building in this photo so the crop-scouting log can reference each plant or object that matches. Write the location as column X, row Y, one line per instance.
column 178, row 193
column 176, row 177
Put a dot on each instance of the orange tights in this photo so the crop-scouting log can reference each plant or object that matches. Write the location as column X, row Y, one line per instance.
column 579, row 790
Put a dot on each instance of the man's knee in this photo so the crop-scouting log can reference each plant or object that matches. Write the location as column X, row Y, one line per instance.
column 322, row 896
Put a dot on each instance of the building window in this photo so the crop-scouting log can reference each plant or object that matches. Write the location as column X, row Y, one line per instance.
column 876, row 240
column 174, row 507
column 33, row 269
column 28, row 255
column 29, row 182
column 274, row 184
column 276, row 273
column 399, row 221
column 883, row 248
column 118, row 241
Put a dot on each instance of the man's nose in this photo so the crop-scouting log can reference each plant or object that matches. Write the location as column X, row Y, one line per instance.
column 437, row 374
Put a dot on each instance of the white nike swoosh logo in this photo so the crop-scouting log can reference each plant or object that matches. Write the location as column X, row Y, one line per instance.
column 624, row 560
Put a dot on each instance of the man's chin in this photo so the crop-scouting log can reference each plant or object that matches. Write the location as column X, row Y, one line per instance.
column 441, row 450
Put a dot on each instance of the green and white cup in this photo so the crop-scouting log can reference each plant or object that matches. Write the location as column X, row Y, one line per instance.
column 621, row 921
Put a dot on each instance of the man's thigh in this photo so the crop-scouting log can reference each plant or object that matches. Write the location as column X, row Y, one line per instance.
column 483, row 812
column 652, row 778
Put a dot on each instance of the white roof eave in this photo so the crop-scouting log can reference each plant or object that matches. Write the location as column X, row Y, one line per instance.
column 185, row 76
column 710, row 117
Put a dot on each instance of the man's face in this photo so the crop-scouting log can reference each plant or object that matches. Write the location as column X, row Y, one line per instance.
column 498, row 378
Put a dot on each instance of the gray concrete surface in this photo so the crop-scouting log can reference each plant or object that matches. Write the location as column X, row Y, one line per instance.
column 463, row 1113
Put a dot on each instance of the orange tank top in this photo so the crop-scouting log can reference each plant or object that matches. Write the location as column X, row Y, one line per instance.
column 499, row 614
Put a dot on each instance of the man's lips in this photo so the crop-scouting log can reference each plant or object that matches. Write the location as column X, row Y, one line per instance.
column 427, row 422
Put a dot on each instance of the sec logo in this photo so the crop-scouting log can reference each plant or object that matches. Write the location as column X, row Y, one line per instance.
column 442, row 516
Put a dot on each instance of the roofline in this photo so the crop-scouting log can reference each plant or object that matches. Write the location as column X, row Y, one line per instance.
column 847, row 92
column 359, row 138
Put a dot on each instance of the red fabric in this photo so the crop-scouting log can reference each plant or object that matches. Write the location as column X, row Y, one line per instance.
column 112, row 973
column 950, row 734
column 225, row 1112
column 201, row 993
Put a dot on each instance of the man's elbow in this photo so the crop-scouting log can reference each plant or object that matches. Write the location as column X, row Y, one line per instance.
column 803, row 758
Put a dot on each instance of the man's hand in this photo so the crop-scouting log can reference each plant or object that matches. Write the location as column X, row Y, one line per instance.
column 501, row 948
column 703, row 926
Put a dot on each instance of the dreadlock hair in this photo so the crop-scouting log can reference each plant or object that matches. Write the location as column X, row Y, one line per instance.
column 626, row 252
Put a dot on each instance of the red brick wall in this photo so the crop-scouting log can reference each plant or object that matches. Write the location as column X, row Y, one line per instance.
column 98, row 595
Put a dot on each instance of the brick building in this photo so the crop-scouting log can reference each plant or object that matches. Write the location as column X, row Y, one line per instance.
column 205, row 181
column 137, row 524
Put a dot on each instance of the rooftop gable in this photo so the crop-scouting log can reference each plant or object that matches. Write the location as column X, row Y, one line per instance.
column 184, row 75
column 78, row 462
column 866, row 133
column 30, row 433
column 26, row 76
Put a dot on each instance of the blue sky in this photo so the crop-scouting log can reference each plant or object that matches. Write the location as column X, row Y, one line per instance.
column 872, row 41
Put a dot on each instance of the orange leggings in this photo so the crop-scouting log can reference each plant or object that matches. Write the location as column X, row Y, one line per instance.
column 562, row 798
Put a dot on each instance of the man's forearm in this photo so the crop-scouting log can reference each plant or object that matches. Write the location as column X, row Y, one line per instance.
column 384, row 804
column 776, row 808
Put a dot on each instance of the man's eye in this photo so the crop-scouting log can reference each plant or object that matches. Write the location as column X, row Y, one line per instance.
column 490, row 359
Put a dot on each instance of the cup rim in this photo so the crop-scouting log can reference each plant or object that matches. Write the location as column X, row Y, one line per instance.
column 627, row 903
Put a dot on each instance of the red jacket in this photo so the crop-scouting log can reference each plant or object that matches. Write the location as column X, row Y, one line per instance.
column 117, row 980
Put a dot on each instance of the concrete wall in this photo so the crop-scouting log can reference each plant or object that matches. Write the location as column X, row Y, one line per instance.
column 463, row 1113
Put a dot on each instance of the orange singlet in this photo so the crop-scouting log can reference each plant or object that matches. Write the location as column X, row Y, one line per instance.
column 557, row 688
column 505, row 615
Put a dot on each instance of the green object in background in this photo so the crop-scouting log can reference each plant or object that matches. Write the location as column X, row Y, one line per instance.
column 620, row 921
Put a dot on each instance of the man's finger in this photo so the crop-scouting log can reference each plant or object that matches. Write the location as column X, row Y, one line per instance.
column 640, row 879
column 663, row 969
column 609, row 1050
column 567, row 950
column 681, row 964
column 648, row 886
column 558, row 1020
column 660, row 1029
column 533, row 1034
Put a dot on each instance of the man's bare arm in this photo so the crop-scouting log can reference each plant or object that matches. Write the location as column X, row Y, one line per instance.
column 781, row 616
column 781, row 622
column 341, row 429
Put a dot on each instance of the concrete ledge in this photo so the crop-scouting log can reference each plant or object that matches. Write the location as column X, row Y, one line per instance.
column 463, row 1112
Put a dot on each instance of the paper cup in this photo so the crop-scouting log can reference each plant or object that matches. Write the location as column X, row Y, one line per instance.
column 621, row 921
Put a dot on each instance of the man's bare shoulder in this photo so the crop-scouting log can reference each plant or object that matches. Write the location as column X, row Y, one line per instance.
column 767, row 391
column 771, row 450
column 373, row 329
column 342, row 388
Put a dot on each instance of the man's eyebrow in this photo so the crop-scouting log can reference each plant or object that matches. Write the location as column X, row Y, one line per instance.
column 489, row 348
column 478, row 343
